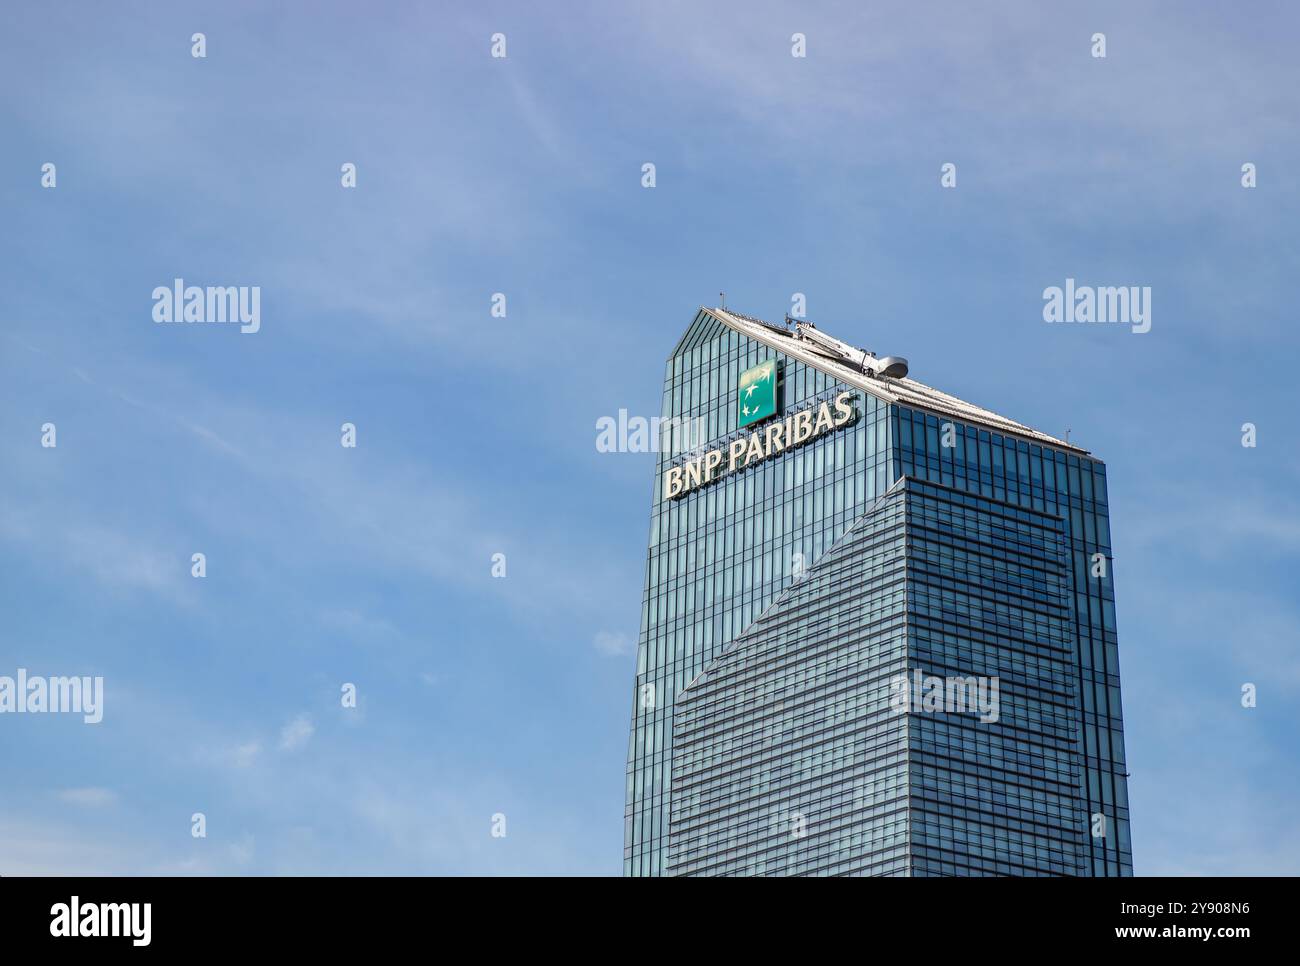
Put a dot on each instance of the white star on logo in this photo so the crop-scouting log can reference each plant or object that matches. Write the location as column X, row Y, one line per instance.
column 750, row 390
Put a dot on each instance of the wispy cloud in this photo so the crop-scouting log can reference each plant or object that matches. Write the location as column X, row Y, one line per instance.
column 613, row 643
column 88, row 797
column 296, row 733
column 246, row 754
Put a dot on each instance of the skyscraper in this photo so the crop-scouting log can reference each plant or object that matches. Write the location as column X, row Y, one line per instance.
column 878, row 631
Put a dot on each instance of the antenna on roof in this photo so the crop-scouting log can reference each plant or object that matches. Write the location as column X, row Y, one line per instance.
column 722, row 299
column 1067, row 435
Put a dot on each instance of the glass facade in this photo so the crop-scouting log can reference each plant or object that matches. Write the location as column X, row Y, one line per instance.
column 787, row 757
column 719, row 556
column 1073, row 488
column 792, row 756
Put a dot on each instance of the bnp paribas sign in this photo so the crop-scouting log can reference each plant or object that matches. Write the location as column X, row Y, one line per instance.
column 758, row 401
column 757, row 391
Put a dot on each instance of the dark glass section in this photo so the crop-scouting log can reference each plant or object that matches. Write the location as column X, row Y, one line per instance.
column 906, row 708
column 995, row 789
column 1072, row 487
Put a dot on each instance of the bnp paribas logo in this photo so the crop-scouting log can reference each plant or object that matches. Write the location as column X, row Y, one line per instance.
column 757, row 393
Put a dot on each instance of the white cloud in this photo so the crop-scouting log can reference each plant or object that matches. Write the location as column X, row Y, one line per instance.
column 116, row 558
column 296, row 733
column 244, row 755
column 613, row 643
column 88, row 797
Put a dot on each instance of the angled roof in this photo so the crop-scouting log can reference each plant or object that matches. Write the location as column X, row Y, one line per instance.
column 906, row 391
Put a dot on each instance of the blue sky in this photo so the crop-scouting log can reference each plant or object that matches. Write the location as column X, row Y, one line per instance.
column 476, row 435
